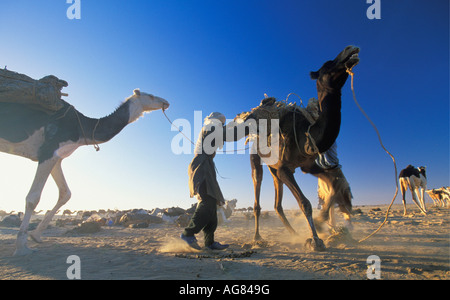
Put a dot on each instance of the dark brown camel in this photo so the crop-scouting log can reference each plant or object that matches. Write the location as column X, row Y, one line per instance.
column 302, row 141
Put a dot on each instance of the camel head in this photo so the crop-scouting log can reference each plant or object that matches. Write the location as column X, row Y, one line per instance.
column 422, row 170
column 332, row 75
column 148, row 102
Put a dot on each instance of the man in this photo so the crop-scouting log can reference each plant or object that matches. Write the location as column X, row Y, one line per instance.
column 203, row 182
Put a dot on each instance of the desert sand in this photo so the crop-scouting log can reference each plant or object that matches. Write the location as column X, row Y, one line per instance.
column 409, row 247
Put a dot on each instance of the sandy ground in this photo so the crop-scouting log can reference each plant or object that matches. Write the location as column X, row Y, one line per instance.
column 410, row 247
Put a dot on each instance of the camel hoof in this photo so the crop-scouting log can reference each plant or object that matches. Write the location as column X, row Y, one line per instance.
column 35, row 237
column 257, row 238
column 315, row 244
column 261, row 244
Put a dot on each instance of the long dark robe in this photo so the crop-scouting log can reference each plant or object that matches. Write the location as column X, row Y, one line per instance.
column 202, row 167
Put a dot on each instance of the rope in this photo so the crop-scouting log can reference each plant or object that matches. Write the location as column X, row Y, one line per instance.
column 96, row 146
column 164, row 113
column 293, row 122
column 287, row 98
column 349, row 71
column 312, row 141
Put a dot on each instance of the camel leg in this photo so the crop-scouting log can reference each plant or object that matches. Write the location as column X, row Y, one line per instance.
column 332, row 218
column 64, row 196
column 436, row 202
column 32, row 200
column 326, row 193
column 414, row 197
column 415, row 193
column 403, row 187
column 326, row 211
column 257, row 176
column 419, row 196
column 347, row 214
column 422, row 198
column 278, row 199
column 287, row 177
column 324, row 216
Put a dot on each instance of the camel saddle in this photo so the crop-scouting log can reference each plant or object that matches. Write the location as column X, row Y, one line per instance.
column 44, row 93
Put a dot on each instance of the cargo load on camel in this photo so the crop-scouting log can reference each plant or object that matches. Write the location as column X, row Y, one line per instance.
column 44, row 94
column 270, row 109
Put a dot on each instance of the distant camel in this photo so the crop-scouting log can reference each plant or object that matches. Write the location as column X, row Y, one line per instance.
column 440, row 197
column 302, row 141
column 414, row 179
column 225, row 211
column 4, row 213
column 68, row 212
column 48, row 138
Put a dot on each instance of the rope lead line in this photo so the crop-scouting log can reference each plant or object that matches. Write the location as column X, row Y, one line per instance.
column 176, row 127
column 349, row 71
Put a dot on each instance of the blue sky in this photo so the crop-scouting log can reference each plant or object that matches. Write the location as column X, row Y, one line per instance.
column 223, row 56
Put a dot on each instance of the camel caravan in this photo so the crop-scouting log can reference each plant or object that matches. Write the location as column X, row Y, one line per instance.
column 36, row 123
column 440, row 196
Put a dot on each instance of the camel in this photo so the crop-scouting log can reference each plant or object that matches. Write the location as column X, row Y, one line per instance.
column 12, row 220
column 302, row 140
column 225, row 211
column 48, row 138
column 416, row 180
column 440, row 197
column 68, row 212
column 4, row 214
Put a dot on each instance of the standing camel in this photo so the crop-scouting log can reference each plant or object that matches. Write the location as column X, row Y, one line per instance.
column 48, row 138
column 440, row 197
column 302, row 141
column 415, row 179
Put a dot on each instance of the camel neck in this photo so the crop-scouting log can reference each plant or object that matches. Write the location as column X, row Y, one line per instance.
column 104, row 129
column 327, row 127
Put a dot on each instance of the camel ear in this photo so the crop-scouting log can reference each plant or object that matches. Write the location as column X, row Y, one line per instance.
column 314, row 75
column 137, row 92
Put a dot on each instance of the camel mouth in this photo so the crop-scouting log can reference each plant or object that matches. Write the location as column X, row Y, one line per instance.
column 352, row 58
column 164, row 103
column 345, row 60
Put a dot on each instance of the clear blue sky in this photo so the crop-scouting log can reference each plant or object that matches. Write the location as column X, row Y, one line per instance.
column 223, row 56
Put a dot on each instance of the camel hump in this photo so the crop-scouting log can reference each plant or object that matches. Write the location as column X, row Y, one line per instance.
column 409, row 171
column 22, row 89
